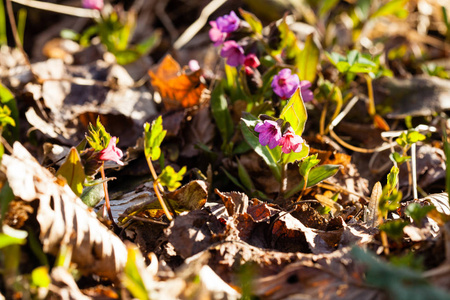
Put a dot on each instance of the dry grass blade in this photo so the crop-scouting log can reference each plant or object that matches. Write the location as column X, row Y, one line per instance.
column 63, row 218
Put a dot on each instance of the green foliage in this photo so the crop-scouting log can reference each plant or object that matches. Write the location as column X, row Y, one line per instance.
column 73, row 171
column 418, row 212
column 10, row 236
column 295, row 113
column 115, row 32
column 308, row 59
column 171, row 179
column 9, row 111
column 400, row 283
column 393, row 7
column 252, row 20
column 97, row 136
column 93, row 193
column 394, row 228
column 410, row 137
column 392, row 180
column 221, row 113
column 6, row 196
column 435, row 70
column 132, row 277
column 398, row 158
column 307, row 164
column 153, row 137
column 315, row 176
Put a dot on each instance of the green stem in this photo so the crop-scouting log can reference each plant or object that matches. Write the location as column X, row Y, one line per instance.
column 283, row 181
column 157, row 187
column 105, row 189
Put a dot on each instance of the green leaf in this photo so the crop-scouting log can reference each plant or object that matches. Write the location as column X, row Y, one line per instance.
column 134, row 270
column 307, row 164
column 414, row 137
column 97, row 136
column 7, row 98
column 252, row 20
column 72, row 170
column 93, row 193
column 394, row 228
column 326, row 6
column 398, row 158
column 10, row 236
column 6, row 196
column 316, row 175
column 235, row 181
column 295, row 113
column 393, row 7
column 352, row 57
column 171, row 179
column 40, row 277
column 288, row 41
column 293, row 157
column 392, row 179
column 70, row 34
column 221, row 113
column 244, row 177
column 308, row 59
column 417, row 212
column 149, row 43
column 153, row 138
column 248, row 123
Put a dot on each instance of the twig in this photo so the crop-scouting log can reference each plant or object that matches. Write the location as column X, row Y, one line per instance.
column 413, row 171
column 195, row 27
column 105, row 189
column 61, row 9
column 12, row 21
column 144, row 219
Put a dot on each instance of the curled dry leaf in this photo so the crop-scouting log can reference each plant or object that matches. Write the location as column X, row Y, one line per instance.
column 63, row 218
column 235, row 202
column 177, row 89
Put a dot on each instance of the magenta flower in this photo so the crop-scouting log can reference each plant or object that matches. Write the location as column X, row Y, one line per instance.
column 252, row 61
column 228, row 23
column 307, row 94
column 284, row 84
column 93, row 4
column 290, row 142
column 112, row 152
column 269, row 133
column 216, row 36
column 233, row 53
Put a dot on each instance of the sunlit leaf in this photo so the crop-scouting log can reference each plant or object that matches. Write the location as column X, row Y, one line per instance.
column 40, row 277
column 10, row 236
column 171, row 179
column 417, row 212
column 97, row 136
column 8, row 99
column 393, row 7
column 295, row 156
column 308, row 60
column 133, row 274
column 72, row 170
column 295, row 113
column 153, row 137
column 252, row 20
column 221, row 113
column 307, row 164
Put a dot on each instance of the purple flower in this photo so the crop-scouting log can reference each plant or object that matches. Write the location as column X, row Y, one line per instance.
column 233, row 53
column 284, row 84
column 112, row 152
column 290, row 142
column 269, row 133
column 228, row 23
column 216, row 36
column 92, row 4
column 307, row 94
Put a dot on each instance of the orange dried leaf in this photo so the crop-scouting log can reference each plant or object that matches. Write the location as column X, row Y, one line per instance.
column 177, row 89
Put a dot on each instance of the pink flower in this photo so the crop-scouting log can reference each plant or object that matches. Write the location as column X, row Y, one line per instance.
column 93, row 4
column 252, row 61
column 216, row 36
column 233, row 53
column 193, row 65
column 307, row 94
column 284, row 84
column 228, row 23
column 269, row 133
column 290, row 142
column 112, row 152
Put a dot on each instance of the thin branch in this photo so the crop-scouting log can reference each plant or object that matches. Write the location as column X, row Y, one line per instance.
column 61, row 9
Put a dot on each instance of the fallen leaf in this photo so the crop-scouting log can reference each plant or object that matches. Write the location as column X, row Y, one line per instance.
column 177, row 89
column 63, row 218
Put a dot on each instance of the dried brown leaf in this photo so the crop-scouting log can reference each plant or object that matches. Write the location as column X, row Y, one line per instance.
column 63, row 218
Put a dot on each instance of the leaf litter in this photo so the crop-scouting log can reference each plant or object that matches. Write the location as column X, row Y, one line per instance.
column 231, row 243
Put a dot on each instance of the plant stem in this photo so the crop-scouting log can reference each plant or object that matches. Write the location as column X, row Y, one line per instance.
column 414, row 172
column 371, row 107
column 105, row 189
column 283, row 181
column 157, row 187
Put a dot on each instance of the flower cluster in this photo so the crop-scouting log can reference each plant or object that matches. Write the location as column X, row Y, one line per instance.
column 285, row 84
column 270, row 134
column 231, row 50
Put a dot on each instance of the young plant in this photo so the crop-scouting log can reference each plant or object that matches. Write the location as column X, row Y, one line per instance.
column 153, row 137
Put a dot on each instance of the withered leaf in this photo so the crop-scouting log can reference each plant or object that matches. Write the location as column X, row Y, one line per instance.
column 177, row 89
column 63, row 218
